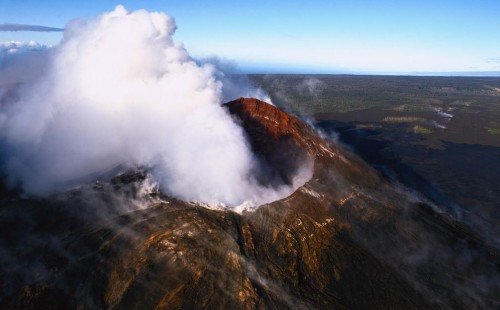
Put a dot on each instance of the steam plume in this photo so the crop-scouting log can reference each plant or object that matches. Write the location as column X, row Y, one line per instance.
column 119, row 90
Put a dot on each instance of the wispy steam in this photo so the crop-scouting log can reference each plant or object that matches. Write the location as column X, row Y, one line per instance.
column 119, row 90
column 312, row 86
column 22, row 27
column 443, row 113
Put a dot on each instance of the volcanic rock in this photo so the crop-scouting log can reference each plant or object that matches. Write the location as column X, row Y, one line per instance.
column 346, row 239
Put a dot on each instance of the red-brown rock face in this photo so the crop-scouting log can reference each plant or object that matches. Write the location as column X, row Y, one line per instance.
column 281, row 141
column 277, row 124
column 265, row 123
column 285, row 142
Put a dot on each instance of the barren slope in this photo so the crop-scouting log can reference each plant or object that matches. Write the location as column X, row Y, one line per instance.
column 346, row 239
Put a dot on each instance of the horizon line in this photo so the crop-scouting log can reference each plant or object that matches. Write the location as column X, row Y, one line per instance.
column 477, row 74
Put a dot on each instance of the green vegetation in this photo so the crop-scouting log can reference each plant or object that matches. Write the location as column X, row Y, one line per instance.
column 402, row 119
column 392, row 101
column 494, row 128
column 316, row 94
column 421, row 130
column 494, row 131
column 413, row 108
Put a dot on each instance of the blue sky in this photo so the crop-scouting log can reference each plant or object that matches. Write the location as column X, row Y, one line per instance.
column 349, row 36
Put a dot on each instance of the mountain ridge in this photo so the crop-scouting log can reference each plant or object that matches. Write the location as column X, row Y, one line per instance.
column 347, row 239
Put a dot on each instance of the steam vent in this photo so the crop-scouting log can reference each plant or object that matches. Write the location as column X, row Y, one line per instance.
column 347, row 239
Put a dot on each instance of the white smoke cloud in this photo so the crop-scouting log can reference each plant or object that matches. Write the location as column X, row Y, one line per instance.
column 119, row 90
column 235, row 84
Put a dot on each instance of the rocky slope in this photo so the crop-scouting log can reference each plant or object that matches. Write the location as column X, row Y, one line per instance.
column 346, row 239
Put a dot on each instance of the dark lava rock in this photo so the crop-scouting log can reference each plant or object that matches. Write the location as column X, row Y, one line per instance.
column 346, row 239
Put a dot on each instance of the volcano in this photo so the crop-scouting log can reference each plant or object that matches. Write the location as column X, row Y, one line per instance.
column 348, row 238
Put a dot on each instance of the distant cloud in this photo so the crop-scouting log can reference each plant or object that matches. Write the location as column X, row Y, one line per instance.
column 16, row 47
column 21, row 27
column 493, row 60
